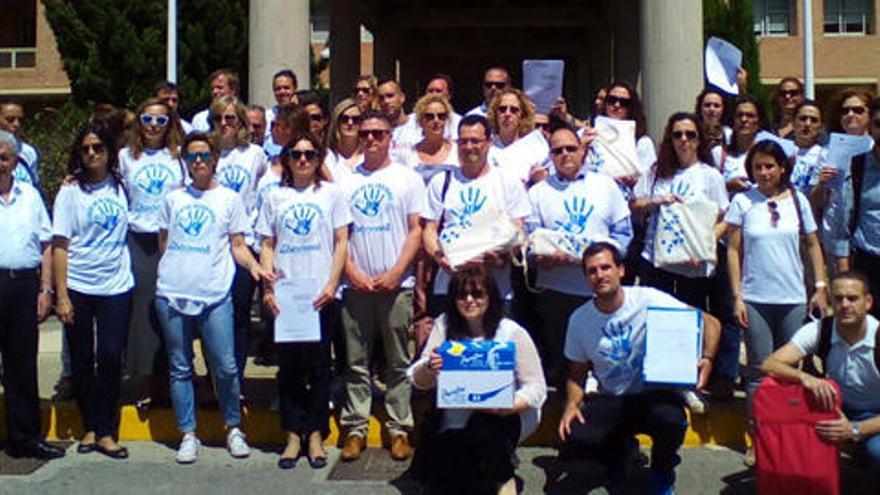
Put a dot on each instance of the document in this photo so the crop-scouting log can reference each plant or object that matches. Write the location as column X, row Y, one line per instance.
column 787, row 145
column 672, row 345
column 542, row 82
column 517, row 159
column 843, row 147
column 298, row 320
column 722, row 62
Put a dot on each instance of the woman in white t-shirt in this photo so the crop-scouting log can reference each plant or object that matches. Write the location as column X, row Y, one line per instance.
column 150, row 166
column 766, row 274
column 344, row 151
column 712, row 110
column 93, row 281
column 472, row 450
column 434, row 153
column 749, row 117
column 201, row 238
column 511, row 116
column 304, row 229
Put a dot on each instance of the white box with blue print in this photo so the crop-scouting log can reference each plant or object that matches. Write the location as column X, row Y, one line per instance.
column 476, row 374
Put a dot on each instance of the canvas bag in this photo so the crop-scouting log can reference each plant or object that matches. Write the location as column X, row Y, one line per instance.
column 486, row 230
column 685, row 230
column 616, row 142
column 547, row 242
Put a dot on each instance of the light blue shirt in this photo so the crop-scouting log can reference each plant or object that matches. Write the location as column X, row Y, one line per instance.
column 29, row 157
column 24, row 225
column 866, row 236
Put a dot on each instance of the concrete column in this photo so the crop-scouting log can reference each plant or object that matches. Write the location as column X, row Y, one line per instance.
column 279, row 37
column 345, row 48
column 671, row 58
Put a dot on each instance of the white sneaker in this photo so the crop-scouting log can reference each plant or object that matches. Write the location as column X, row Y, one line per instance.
column 235, row 442
column 189, row 449
column 694, row 402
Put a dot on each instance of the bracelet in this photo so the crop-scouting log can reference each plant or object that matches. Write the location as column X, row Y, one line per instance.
column 856, row 433
column 821, row 284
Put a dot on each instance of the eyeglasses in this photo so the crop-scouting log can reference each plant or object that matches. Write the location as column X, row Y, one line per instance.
column 316, row 117
column 509, row 109
column 748, row 115
column 154, row 119
column 376, row 134
column 790, row 93
column 712, row 104
column 350, row 119
column 470, row 141
column 808, row 118
column 441, row 116
column 617, row 100
column 204, row 156
column 689, row 135
column 363, row 90
column 12, row 118
column 559, row 149
column 229, row 119
column 774, row 213
column 858, row 110
column 96, row 148
column 475, row 293
column 298, row 154
column 494, row 85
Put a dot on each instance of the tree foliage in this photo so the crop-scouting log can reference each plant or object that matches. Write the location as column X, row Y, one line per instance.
column 114, row 50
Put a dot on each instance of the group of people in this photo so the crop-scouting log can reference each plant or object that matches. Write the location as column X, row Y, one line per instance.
column 163, row 234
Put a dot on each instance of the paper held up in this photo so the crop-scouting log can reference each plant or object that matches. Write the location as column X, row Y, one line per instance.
column 298, row 320
column 722, row 60
column 542, row 82
column 673, row 344
column 476, row 374
column 843, row 147
column 615, row 142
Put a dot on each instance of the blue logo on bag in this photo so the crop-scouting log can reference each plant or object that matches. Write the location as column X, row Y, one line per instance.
column 192, row 219
column 578, row 213
column 106, row 213
column 671, row 224
column 151, row 179
column 368, row 198
column 299, row 218
column 234, row 176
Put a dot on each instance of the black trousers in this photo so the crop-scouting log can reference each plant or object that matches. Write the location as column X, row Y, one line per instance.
column 554, row 309
column 19, row 337
column 610, row 420
column 692, row 291
column 304, row 379
column 869, row 265
column 243, row 286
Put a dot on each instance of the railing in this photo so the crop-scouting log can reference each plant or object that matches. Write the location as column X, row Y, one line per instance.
column 18, row 58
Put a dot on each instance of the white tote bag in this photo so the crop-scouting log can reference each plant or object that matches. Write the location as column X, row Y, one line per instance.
column 486, row 230
column 685, row 231
column 547, row 242
column 616, row 142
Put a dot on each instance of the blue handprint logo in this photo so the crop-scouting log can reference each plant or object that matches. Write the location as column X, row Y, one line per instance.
column 300, row 218
column 595, row 159
column 151, row 179
column 671, row 232
column 234, row 177
column 619, row 336
column 800, row 176
column 681, row 189
column 472, row 201
column 192, row 219
column 106, row 213
column 577, row 213
column 368, row 199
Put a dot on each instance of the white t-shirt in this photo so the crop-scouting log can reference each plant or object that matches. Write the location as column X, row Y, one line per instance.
column 95, row 221
column 700, row 181
column 24, row 227
column 772, row 272
column 380, row 203
column 28, row 169
column 851, row 366
column 585, row 208
column 197, row 267
column 302, row 223
column 805, row 174
column 339, row 167
column 410, row 157
column 202, row 121
column 240, row 169
column 465, row 197
column 615, row 342
column 731, row 165
column 148, row 179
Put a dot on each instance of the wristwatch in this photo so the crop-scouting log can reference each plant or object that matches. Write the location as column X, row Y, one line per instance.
column 856, row 434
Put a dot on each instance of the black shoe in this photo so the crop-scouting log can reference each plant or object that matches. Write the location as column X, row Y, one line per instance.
column 37, row 449
column 85, row 448
column 120, row 453
column 317, row 462
column 287, row 462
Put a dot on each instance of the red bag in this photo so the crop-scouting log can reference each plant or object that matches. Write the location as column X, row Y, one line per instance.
column 790, row 457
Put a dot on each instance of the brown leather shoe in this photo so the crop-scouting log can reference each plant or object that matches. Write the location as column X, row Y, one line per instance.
column 400, row 449
column 351, row 448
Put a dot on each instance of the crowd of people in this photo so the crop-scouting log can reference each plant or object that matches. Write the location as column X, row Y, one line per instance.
column 165, row 230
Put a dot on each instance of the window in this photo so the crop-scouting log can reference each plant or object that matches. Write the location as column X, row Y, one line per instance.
column 849, row 16
column 772, row 17
column 18, row 34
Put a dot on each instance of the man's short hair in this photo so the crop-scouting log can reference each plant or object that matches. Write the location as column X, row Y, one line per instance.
column 375, row 114
column 165, row 86
column 255, row 108
column 599, row 247
column 286, row 73
column 386, row 80
column 474, row 119
column 499, row 69
column 7, row 139
column 231, row 77
column 446, row 78
column 854, row 275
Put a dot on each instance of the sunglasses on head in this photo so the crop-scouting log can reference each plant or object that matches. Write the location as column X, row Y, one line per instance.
column 689, row 135
column 229, row 119
column 509, row 109
column 559, row 149
column 297, row 154
column 204, row 156
column 494, row 85
column 376, row 134
column 789, row 93
column 95, row 148
column 774, row 213
column 858, row 110
column 441, row 116
column 350, row 119
column 617, row 100
column 154, row 119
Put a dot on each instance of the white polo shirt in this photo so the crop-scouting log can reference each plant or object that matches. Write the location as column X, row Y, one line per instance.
column 24, row 224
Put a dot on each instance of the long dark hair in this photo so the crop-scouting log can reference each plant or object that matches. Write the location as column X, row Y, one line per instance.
column 763, row 122
column 286, row 175
column 771, row 148
column 462, row 282
column 667, row 160
column 636, row 112
column 75, row 165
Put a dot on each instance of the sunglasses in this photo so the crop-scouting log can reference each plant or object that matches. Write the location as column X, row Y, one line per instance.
column 476, row 294
column 229, row 119
column 96, row 148
column 790, row 93
column 376, row 134
column 494, row 85
column 12, row 118
column 689, row 135
column 441, row 116
column 350, row 119
column 204, row 156
column 748, row 115
column 774, row 213
column 509, row 109
column 808, row 118
column 617, row 100
column 298, row 154
column 542, row 125
column 154, row 119
column 363, row 90
column 470, row 141
column 559, row 149
column 316, row 117
column 858, row 110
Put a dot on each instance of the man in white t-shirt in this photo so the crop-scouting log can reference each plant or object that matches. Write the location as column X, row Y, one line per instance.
column 284, row 86
column 169, row 93
column 848, row 350
column 607, row 335
column 494, row 80
column 256, row 115
column 224, row 82
column 386, row 200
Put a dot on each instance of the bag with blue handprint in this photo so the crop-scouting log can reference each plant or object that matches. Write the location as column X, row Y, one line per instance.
column 470, row 234
column 548, row 242
column 685, row 232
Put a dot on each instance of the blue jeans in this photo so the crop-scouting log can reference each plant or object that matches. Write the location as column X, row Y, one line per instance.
column 215, row 326
column 871, row 445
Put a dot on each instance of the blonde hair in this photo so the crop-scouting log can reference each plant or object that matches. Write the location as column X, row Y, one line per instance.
column 526, row 116
column 172, row 139
column 219, row 105
column 333, row 131
column 422, row 106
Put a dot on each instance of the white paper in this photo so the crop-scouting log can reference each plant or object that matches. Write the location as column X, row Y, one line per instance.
column 542, row 82
column 843, row 147
column 616, row 142
column 788, row 146
column 722, row 62
column 672, row 345
column 517, row 158
column 298, row 320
